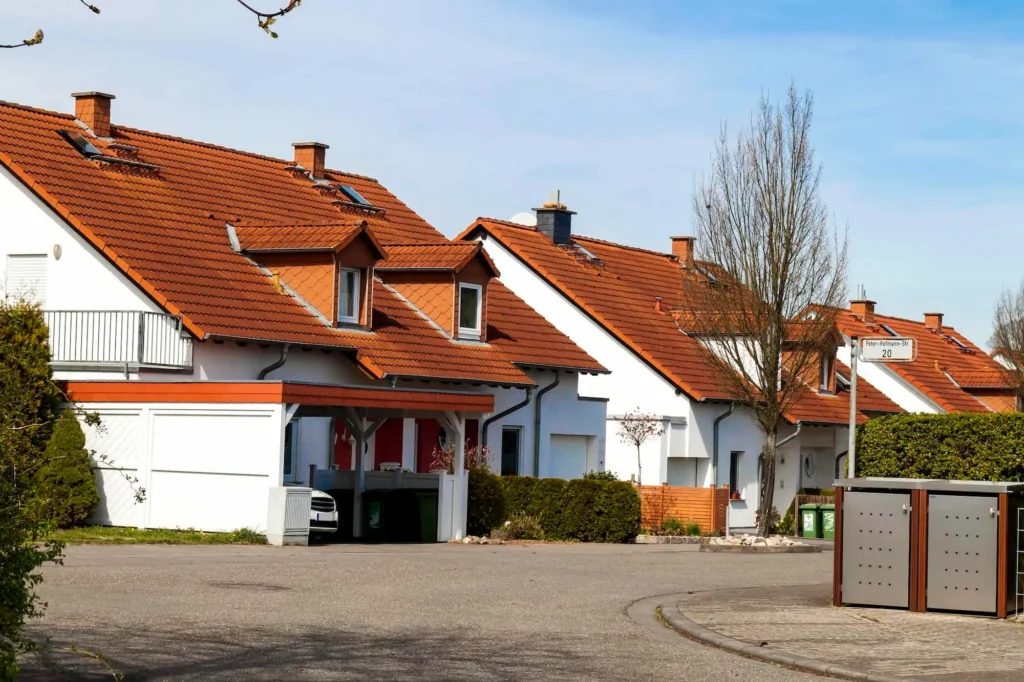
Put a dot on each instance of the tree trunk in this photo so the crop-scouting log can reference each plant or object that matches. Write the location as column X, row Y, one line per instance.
column 639, row 478
column 767, row 496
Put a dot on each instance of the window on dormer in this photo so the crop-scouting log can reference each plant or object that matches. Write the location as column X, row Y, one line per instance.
column 470, row 305
column 826, row 371
column 348, row 296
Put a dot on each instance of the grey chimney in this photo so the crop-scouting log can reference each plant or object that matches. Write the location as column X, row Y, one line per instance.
column 555, row 220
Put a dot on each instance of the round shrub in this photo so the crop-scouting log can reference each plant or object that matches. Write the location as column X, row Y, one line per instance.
column 65, row 483
column 486, row 502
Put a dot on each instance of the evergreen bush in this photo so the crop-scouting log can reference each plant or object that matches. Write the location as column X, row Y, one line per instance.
column 66, row 484
column 965, row 447
column 485, row 507
column 587, row 510
column 29, row 401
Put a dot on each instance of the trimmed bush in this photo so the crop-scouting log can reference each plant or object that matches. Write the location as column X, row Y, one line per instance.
column 66, row 483
column 518, row 493
column 966, row 447
column 600, row 476
column 485, row 507
column 586, row 510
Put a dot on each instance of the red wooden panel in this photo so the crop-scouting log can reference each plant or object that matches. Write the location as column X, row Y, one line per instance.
column 387, row 443
column 426, row 440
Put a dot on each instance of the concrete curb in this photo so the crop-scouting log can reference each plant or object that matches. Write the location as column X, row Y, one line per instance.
column 762, row 549
column 686, row 627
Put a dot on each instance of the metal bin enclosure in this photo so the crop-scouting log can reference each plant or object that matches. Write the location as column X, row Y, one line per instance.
column 963, row 541
column 928, row 544
column 876, row 549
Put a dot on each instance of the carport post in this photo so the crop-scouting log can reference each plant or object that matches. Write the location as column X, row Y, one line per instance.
column 355, row 421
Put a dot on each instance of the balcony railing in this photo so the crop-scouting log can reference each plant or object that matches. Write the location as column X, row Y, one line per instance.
column 117, row 340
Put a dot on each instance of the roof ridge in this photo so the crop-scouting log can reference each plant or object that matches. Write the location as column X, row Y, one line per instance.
column 37, row 110
column 625, row 246
column 509, row 223
column 422, row 244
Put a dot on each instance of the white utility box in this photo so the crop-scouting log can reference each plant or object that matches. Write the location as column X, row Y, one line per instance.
column 288, row 516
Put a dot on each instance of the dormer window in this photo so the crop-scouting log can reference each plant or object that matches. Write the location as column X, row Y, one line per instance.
column 470, row 304
column 348, row 296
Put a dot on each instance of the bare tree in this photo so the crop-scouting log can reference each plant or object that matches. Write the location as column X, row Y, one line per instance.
column 263, row 19
column 1008, row 334
column 765, row 230
column 635, row 429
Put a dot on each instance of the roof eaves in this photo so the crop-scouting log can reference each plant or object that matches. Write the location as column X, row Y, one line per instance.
column 100, row 245
column 683, row 386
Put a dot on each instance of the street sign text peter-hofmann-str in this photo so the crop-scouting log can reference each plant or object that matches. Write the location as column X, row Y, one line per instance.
column 888, row 349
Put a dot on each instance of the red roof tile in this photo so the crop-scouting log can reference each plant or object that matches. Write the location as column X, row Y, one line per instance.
column 617, row 287
column 165, row 229
column 308, row 237
column 941, row 357
column 451, row 256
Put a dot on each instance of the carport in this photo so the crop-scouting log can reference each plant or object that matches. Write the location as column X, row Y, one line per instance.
column 221, row 487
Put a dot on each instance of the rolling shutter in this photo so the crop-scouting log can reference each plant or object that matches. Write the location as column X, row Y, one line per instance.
column 26, row 278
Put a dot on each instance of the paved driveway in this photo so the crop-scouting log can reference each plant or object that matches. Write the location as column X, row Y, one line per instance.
column 392, row 612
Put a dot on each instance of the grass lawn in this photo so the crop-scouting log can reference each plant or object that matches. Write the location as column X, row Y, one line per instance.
column 105, row 535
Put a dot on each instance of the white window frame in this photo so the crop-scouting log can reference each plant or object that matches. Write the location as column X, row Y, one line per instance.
column 470, row 331
column 354, row 318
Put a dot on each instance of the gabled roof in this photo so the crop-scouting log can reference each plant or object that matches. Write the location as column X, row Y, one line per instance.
column 305, row 237
column 446, row 257
column 941, row 359
column 812, row 406
column 617, row 286
column 164, row 228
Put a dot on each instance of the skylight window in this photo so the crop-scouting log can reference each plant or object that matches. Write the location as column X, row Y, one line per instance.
column 958, row 342
column 888, row 329
column 79, row 141
column 353, row 195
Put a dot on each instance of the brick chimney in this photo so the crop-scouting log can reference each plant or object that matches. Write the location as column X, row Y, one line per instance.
column 555, row 220
column 93, row 109
column 864, row 309
column 312, row 156
column 682, row 248
column 933, row 321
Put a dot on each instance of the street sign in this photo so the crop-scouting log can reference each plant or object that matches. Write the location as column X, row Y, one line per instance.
column 888, row 349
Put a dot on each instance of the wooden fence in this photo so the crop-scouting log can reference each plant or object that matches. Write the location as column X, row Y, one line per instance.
column 706, row 506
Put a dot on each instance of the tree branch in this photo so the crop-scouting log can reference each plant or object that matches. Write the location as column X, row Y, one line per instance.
column 267, row 19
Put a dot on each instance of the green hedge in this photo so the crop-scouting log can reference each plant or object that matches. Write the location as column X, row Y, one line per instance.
column 966, row 447
column 581, row 509
column 485, row 508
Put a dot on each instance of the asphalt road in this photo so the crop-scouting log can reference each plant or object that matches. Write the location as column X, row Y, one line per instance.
column 441, row 612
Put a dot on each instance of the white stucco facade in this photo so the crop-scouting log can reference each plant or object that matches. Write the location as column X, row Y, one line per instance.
column 687, row 458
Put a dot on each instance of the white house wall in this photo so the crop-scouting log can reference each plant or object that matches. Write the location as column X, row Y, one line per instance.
column 203, row 466
column 81, row 279
column 891, row 385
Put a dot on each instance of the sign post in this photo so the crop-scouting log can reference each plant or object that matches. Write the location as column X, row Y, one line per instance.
column 874, row 349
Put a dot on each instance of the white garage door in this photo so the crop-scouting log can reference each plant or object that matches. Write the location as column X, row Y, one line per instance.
column 568, row 455
column 210, row 470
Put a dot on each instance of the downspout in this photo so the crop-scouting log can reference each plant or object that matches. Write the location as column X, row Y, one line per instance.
column 536, row 424
column 714, row 443
column 276, row 364
column 799, row 462
column 504, row 413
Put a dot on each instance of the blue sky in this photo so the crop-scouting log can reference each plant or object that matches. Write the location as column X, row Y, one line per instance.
column 479, row 107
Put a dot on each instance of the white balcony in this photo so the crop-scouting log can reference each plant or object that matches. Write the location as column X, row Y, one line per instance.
column 117, row 341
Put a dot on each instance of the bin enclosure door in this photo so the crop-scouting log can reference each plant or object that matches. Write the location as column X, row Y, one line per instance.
column 876, row 549
column 962, row 553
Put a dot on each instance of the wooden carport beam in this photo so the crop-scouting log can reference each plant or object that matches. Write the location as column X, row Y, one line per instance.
column 361, row 430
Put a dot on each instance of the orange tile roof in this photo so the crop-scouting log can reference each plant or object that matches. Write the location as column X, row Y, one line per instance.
column 308, row 237
column 617, row 288
column 165, row 229
column 618, row 285
column 940, row 360
column 451, row 256
column 812, row 406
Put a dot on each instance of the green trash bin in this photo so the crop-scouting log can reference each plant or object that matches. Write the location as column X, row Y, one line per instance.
column 810, row 521
column 828, row 521
column 375, row 515
column 427, row 500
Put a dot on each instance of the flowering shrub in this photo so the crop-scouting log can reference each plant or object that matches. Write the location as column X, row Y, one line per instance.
column 476, row 457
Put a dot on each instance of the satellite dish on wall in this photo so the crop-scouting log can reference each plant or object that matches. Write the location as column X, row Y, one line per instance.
column 524, row 218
